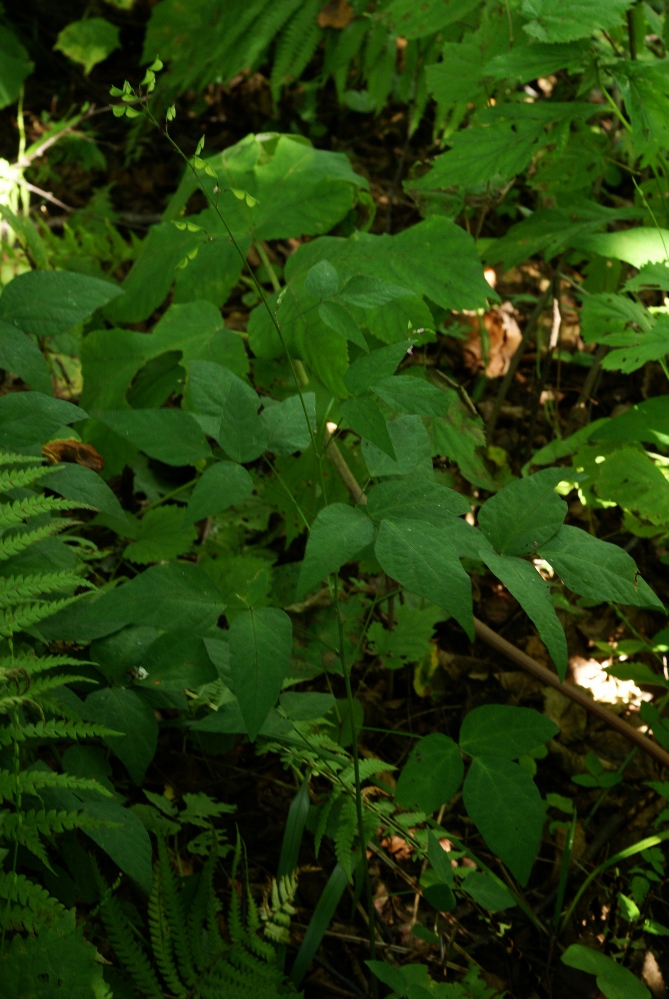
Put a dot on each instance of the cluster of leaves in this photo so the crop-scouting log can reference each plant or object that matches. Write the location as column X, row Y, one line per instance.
column 226, row 432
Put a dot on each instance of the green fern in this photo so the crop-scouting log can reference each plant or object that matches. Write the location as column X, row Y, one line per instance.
column 296, row 46
column 189, row 955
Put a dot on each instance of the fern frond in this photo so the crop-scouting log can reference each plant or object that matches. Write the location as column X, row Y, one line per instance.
column 32, row 782
column 15, row 513
column 24, row 663
column 122, row 938
column 174, row 913
column 30, row 905
column 323, row 817
column 19, row 478
column 347, row 826
column 16, row 543
column 161, row 936
column 297, row 44
column 26, row 615
column 17, row 589
column 368, row 767
column 199, row 907
column 278, row 909
column 25, row 828
column 35, row 690
column 54, row 728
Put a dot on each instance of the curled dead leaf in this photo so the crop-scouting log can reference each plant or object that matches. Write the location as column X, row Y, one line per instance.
column 503, row 336
column 73, row 451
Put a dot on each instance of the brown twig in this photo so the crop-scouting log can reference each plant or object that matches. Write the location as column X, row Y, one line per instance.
column 526, row 662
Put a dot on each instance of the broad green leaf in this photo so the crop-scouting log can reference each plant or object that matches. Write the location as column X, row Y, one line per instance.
column 413, row 454
column 568, row 20
column 322, row 281
column 427, row 501
column 605, row 314
column 431, row 775
column 127, row 842
column 111, row 358
column 46, row 303
column 637, row 246
column 655, row 276
column 285, row 425
column 364, row 416
column 528, row 60
column 524, row 514
column 55, row 959
column 20, row 354
column 306, row 706
column 161, row 536
column 503, row 730
column 76, row 482
column 220, row 486
column 489, row 894
column 659, row 725
column 339, row 319
column 15, row 66
column 645, row 89
column 423, row 559
column 175, row 596
column 380, row 364
column 597, row 569
column 438, row 857
column 177, row 660
column 169, row 435
column 216, row 391
column 88, row 42
column 636, row 347
column 28, row 418
column 120, row 654
column 459, row 75
column 629, row 477
column 533, row 594
column 645, row 421
column 368, row 292
column 440, row 897
column 613, row 980
column 637, row 672
column 406, row 394
column 409, row 641
column 260, row 650
column 505, row 805
column 411, row 21
column 126, row 711
column 338, row 534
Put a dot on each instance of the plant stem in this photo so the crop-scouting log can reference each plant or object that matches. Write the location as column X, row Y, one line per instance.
column 371, row 912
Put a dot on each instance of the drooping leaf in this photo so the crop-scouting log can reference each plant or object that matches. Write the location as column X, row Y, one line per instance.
column 411, row 444
column 338, row 534
column 169, row 435
column 523, row 582
column 215, row 391
column 220, row 486
column 124, row 839
column 76, row 482
column 28, row 418
column 365, row 417
column 489, row 894
column 125, row 711
column 161, row 536
column 15, row 66
column 20, row 354
column 597, row 569
column 431, row 775
column 339, row 319
column 423, row 559
column 88, row 42
column 645, row 421
column 524, row 514
column 503, row 730
column 285, row 425
column 46, row 303
column 505, row 805
column 260, row 649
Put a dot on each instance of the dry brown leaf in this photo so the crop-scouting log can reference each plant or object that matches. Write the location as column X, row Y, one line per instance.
column 336, row 14
column 73, row 451
column 503, row 334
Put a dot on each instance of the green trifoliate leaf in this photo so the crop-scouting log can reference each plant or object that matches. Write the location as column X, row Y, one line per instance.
column 597, row 569
column 533, row 594
column 524, row 514
column 215, row 391
column 503, row 730
column 364, row 416
column 342, row 322
column 338, row 534
column 505, row 805
column 408, row 394
column 260, row 649
column 88, row 42
column 169, row 435
column 322, row 280
column 431, row 775
column 568, row 20
column 423, row 559
column 427, row 501
column 614, row 981
column 370, row 292
column 412, row 450
column 161, row 536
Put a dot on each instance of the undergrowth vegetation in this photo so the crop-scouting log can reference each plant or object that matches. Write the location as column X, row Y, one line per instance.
column 266, row 452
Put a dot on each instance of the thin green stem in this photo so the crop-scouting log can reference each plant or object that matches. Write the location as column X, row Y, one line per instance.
column 262, row 253
column 371, row 912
